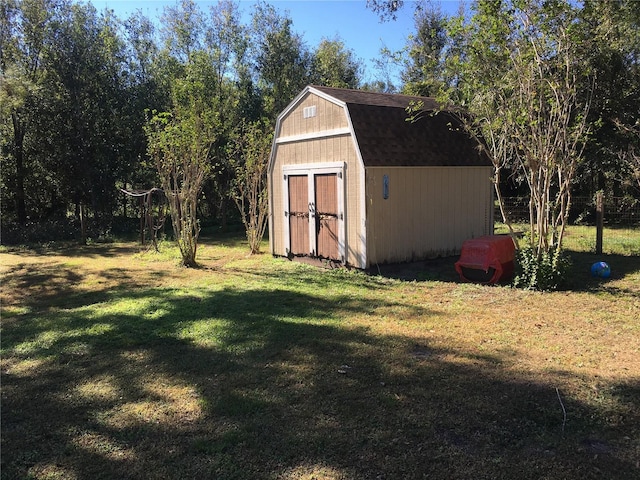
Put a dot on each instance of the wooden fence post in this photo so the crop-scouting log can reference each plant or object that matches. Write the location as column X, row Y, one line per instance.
column 599, row 221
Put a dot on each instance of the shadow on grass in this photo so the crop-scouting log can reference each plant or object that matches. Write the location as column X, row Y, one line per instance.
column 621, row 267
column 74, row 249
column 440, row 269
column 46, row 285
column 269, row 383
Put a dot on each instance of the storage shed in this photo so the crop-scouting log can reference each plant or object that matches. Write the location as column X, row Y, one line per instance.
column 351, row 180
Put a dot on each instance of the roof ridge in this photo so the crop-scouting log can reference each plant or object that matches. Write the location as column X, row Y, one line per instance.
column 368, row 92
column 365, row 97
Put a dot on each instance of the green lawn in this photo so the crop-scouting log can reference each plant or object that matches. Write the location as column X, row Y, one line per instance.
column 582, row 238
column 117, row 363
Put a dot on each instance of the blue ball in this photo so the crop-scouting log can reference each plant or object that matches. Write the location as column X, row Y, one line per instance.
column 601, row 270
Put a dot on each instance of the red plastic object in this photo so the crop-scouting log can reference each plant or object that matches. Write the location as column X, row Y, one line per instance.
column 486, row 259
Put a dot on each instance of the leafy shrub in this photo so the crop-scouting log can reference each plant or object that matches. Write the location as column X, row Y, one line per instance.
column 545, row 272
column 59, row 229
column 56, row 230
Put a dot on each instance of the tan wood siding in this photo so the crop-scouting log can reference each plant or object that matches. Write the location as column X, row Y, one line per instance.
column 320, row 150
column 317, row 150
column 430, row 211
column 329, row 116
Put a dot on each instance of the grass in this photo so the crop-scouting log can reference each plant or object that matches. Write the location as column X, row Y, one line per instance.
column 582, row 238
column 118, row 363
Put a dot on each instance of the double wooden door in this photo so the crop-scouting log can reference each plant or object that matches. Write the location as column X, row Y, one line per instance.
column 314, row 215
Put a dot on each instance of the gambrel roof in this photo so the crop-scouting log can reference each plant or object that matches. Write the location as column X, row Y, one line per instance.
column 385, row 137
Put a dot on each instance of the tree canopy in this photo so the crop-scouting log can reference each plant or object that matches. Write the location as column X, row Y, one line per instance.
column 77, row 86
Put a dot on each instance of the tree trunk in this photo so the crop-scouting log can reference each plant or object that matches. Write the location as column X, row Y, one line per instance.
column 18, row 153
column 599, row 221
column 83, row 224
column 223, row 214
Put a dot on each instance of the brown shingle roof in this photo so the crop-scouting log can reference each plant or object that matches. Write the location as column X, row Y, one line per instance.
column 386, row 138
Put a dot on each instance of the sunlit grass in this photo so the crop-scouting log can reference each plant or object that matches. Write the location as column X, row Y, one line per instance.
column 582, row 238
column 206, row 332
column 47, row 340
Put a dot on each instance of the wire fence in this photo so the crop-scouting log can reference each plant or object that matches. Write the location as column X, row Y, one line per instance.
column 621, row 219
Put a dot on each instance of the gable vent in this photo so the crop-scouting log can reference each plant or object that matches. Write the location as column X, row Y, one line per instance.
column 308, row 112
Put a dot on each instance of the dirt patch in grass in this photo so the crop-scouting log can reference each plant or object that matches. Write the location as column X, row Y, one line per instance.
column 118, row 363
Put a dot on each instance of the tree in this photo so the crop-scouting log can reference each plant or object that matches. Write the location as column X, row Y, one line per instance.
column 420, row 63
column 282, row 60
column 610, row 44
column 554, row 131
column 630, row 156
column 182, row 29
column 517, row 73
column 145, row 91
column 253, row 147
column 24, row 32
column 180, row 142
column 226, row 42
column 177, row 147
column 87, row 76
column 333, row 65
column 67, row 75
column 470, row 79
column 386, row 9
column 424, row 66
column 520, row 77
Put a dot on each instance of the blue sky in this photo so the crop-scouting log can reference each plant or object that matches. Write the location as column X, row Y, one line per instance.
column 359, row 27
